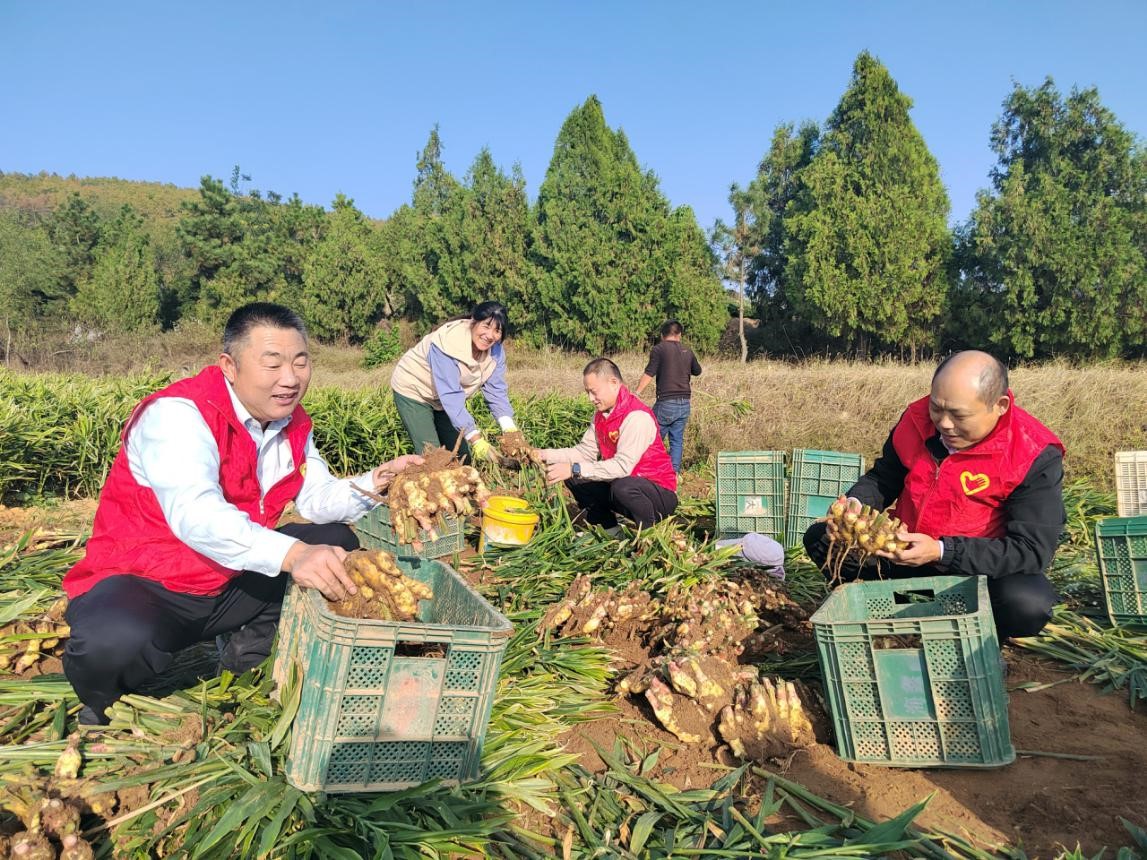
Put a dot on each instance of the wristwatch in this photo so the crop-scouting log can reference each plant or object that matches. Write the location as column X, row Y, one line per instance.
column 575, row 470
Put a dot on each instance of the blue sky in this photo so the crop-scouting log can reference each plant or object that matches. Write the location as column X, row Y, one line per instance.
column 321, row 98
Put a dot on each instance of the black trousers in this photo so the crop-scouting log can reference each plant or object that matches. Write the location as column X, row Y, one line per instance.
column 126, row 630
column 640, row 499
column 1021, row 604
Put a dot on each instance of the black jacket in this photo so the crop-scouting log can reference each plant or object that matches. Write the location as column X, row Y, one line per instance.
column 1035, row 515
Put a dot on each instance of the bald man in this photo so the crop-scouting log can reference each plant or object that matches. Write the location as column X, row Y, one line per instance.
column 978, row 484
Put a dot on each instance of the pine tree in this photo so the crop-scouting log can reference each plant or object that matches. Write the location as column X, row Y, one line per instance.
column 340, row 297
column 1053, row 257
column 75, row 229
column 31, row 272
column 737, row 247
column 867, row 240
column 244, row 247
column 122, row 291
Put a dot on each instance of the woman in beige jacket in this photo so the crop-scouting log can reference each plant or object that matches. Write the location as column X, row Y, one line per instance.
column 434, row 379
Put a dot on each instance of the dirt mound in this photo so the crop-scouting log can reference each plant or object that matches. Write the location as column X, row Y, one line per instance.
column 687, row 658
column 1039, row 802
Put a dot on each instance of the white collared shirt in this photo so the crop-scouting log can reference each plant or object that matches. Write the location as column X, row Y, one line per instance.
column 171, row 450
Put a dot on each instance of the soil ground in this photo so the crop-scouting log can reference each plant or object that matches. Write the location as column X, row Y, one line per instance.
column 66, row 517
column 1040, row 802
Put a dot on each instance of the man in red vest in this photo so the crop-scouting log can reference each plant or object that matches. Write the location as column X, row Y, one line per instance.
column 185, row 547
column 620, row 466
column 978, row 485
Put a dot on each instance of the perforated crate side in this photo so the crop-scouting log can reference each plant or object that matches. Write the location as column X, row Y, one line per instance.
column 816, row 479
column 1121, row 546
column 1131, row 483
column 388, row 705
column 376, row 532
column 751, row 493
column 911, row 672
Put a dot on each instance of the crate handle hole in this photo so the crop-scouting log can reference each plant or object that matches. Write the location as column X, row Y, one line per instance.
column 922, row 595
column 424, row 650
column 893, row 641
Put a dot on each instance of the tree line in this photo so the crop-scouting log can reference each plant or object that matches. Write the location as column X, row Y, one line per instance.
column 839, row 244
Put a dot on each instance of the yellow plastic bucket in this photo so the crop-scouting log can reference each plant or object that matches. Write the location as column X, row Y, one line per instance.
column 506, row 521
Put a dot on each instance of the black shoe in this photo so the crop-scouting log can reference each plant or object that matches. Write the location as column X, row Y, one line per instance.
column 88, row 718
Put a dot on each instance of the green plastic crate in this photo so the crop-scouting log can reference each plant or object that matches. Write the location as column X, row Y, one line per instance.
column 750, row 493
column 816, row 480
column 1121, row 544
column 386, row 705
column 376, row 532
column 912, row 672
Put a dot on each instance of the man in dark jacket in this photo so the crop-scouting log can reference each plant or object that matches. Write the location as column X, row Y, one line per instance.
column 672, row 365
column 978, row 486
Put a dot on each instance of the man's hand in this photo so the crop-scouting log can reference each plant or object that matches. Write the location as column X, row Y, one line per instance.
column 921, row 549
column 320, row 566
column 482, row 450
column 385, row 473
column 556, row 472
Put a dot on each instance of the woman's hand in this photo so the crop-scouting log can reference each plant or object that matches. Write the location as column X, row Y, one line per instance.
column 483, row 450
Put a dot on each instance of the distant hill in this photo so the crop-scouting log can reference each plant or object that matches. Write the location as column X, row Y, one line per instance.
column 43, row 192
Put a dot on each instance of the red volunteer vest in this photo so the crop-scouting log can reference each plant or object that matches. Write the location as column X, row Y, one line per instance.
column 654, row 463
column 963, row 495
column 131, row 535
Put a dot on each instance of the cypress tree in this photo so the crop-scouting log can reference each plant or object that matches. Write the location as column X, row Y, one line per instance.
column 867, row 242
column 1053, row 256
column 340, row 297
column 492, row 247
column 608, row 251
column 432, row 239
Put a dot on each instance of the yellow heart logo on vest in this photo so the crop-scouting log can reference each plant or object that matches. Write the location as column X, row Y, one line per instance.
column 973, row 484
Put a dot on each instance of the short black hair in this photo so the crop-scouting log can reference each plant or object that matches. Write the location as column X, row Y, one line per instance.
column 992, row 383
column 243, row 319
column 603, row 367
column 495, row 311
column 672, row 328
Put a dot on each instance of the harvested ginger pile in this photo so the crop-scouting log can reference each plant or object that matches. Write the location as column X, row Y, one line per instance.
column 422, row 497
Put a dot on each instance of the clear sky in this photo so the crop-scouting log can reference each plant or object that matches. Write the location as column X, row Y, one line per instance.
column 320, row 98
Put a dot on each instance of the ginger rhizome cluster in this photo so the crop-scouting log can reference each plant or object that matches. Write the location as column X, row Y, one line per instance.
column 857, row 533
column 385, row 593
column 423, row 497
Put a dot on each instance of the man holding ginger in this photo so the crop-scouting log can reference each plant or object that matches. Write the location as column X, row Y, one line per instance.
column 977, row 484
column 185, row 546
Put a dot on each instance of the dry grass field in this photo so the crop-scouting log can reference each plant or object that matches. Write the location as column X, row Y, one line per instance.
column 762, row 405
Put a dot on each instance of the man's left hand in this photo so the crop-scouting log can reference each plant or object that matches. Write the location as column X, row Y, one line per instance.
column 921, row 549
column 556, row 472
column 385, row 473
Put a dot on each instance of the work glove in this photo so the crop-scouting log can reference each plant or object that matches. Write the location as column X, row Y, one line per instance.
column 483, row 450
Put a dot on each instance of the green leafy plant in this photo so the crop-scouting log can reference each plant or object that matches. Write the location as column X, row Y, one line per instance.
column 382, row 347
